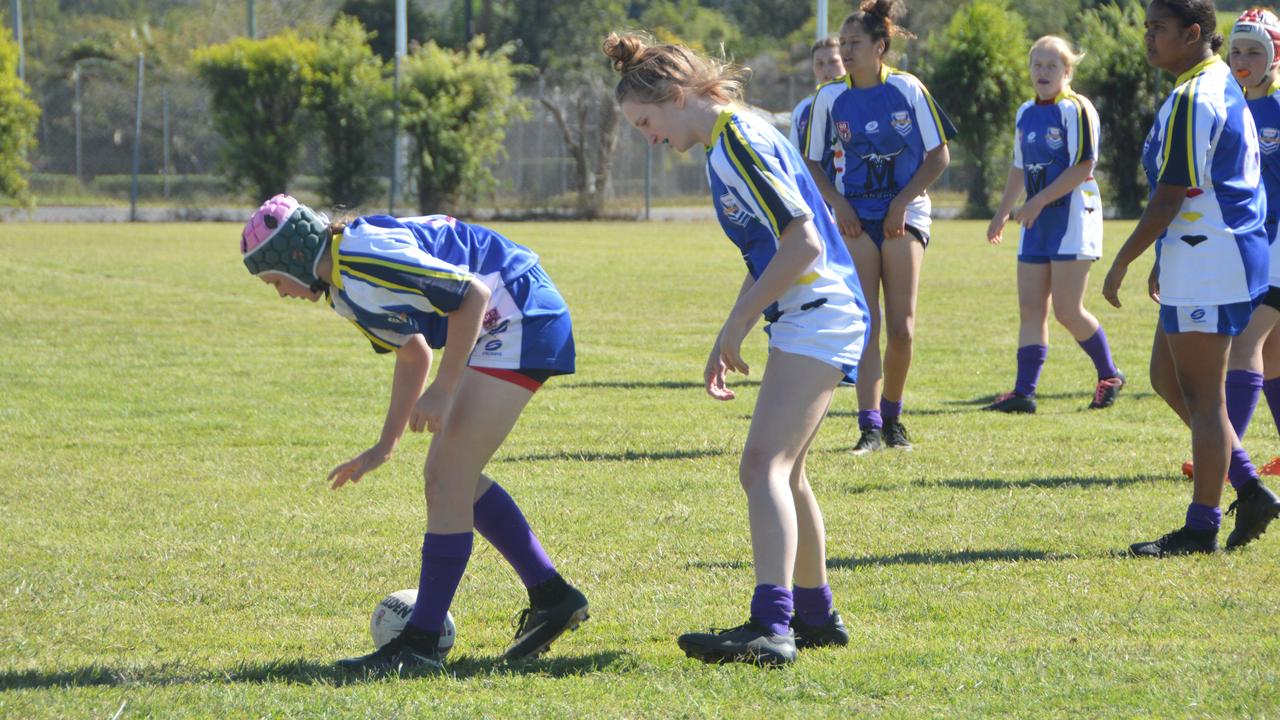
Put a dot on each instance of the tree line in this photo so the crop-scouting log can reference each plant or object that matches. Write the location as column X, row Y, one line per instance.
column 326, row 89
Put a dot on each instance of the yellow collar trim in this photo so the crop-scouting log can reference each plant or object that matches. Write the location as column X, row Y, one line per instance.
column 335, row 273
column 1199, row 68
column 721, row 122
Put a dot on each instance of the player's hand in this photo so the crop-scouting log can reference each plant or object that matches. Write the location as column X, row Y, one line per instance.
column 1111, row 286
column 995, row 231
column 355, row 468
column 1153, row 284
column 1027, row 214
column 731, row 337
column 895, row 220
column 430, row 410
column 847, row 220
column 713, row 376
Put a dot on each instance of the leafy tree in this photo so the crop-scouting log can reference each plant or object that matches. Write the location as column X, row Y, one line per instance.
column 349, row 99
column 18, row 119
column 686, row 22
column 456, row 106
column 980, row 77
column 379, row 18
column 257, row 89
column 1126, row 90
column 589, row 119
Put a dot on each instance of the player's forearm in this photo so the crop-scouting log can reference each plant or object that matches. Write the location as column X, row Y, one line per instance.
column 1069, row 180
column 829, row 192
column 1012, row 191
column 1160, row 212
column 935, row 161
column 413, row 362
column 797, row 249
column 464, row 330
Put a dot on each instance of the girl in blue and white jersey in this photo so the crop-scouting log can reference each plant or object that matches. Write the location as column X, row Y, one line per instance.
column 1206, row 217
column 1253, row 367
column 801, row 280
column 827, row 66
column 894, row 141
column 411, row 285
column 1055, row 147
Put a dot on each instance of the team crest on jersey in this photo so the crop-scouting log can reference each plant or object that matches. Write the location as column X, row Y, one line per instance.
column 1053, row 137
column 842, row 129
column 1268, row 139
column 733, row 212
column 902, row 122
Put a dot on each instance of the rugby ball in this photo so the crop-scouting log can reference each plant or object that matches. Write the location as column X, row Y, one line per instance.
column 392, row 614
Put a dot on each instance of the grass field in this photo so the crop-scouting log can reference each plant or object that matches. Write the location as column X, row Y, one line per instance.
column 172, row 549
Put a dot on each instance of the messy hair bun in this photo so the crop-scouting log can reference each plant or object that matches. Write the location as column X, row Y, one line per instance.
column 653, row 73
column 877, row 18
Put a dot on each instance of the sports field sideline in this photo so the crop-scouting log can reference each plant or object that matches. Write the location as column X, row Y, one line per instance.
column 173, row 551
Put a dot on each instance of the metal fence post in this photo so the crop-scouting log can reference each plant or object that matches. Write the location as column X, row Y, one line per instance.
column 137, row 146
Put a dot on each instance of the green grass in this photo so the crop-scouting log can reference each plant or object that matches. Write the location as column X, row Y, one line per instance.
column 171, row 546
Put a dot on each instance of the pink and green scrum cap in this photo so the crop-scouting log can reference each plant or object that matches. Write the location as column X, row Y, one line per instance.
column 287, row 237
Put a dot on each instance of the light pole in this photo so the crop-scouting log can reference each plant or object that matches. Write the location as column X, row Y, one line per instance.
column 17, row 36
column 822, row 19
column 402, row 41
column 137, row 145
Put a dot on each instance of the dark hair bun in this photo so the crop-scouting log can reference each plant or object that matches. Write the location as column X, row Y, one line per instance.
column 883, row 9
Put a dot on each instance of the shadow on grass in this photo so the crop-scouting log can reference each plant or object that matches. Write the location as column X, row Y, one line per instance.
column 1084, row 397
column 647, row 384
column 1045, row 482
column 621, row 456
column 294, row 671
column 914, row 558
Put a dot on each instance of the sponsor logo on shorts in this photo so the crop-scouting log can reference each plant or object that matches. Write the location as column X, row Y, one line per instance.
column 398, row 318
column 1197, row 315
column 492, row 346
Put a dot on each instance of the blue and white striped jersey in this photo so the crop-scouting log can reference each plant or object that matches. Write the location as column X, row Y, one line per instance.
column 759, row 184
column 885, row 132
column 396, row 277
column 1215, row 252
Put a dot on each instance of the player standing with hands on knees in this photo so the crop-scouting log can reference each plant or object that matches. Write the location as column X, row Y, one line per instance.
column 410, row 285
column 1206, row 217
column 893, row 137
column 801, row 279
column 1054, row 150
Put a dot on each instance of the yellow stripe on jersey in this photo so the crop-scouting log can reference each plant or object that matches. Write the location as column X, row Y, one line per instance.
column 746, row 176
column 808, row 129
column 335, row 274
column 403, row 267
column 1181, row 104
column 387, row 284
column 1082, row 117
column 928, row 100
column 807, row 278
column 374, row 338
column 1192, row 171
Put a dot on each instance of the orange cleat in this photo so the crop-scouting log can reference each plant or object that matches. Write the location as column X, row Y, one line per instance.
column 1189, row 469
column 1271, row 468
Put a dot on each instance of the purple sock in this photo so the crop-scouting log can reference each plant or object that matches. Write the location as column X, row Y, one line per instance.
column 1099, row 351
column 444, row 558
column 1271, row 389
column 499, row 520
column 1203, row 518
column 1241, row 471
column 868, row 419
column 889, row 409
column 813, row 605
column 1243, row 387
column 771, row 607
column 1030, row 361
